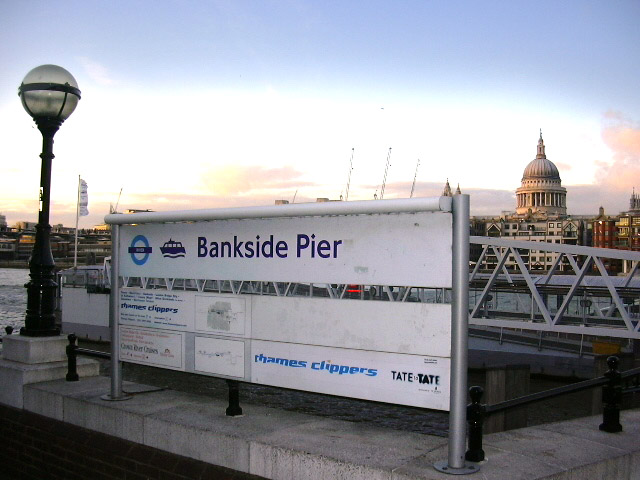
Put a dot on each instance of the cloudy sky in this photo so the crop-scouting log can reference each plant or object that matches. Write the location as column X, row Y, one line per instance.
column 204, row 104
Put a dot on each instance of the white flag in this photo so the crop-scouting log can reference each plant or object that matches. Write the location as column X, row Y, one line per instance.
column 83, row 201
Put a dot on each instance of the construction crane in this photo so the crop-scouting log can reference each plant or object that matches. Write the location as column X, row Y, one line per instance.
column 113, row 209
column 413, row 185
column 386, row 170
column 346, row 197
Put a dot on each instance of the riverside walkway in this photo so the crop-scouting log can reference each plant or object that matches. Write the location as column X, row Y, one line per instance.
column 275, row 444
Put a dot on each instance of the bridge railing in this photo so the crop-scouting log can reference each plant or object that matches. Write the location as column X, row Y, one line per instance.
column 614, row 385
column 573, row 292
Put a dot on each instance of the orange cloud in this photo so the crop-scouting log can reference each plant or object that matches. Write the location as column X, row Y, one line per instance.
column 623, row 138
column 242, row 180
column 563, row 167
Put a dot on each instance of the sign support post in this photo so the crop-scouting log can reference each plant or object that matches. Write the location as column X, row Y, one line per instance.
column 455, row 464
column 114, row 300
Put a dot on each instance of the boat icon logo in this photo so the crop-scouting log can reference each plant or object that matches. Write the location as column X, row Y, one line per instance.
column 172, row 249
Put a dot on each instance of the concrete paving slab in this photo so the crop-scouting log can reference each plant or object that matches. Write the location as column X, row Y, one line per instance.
column 552, row 448
column 587, row 429
column 112, row 421
column 124, row 419
column 634, row 467
column 199, row 443
column 285, row 464
column 47, row 398
column 68, row 389
column 500, row 465
column 376, row 452
column 205, row 432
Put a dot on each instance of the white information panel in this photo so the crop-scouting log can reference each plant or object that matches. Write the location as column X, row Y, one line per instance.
column 391, row 249
column 226, row 315
column 151, row 346
column 388, row 351
column 407, row 379
column 219, row 356
column 157, row 309
column 396, row 327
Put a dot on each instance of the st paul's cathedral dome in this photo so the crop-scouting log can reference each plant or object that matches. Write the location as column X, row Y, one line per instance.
column 541, row 190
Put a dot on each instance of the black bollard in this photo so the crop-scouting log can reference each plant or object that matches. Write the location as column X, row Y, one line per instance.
column 8, row 329
column 234, row 410
column 612, row 398
column 475, row 418
column 72, row 355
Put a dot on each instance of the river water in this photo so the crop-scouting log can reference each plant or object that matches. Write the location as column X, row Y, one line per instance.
column 13, row 297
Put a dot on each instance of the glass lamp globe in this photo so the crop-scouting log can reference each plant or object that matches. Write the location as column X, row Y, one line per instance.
column 49, row 92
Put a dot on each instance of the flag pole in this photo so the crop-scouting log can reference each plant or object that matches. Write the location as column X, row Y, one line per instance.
column 75, row 250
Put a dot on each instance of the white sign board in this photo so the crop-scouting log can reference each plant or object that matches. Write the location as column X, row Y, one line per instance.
column 385, row 377
column 394, row 249
column 389, row 351
column 221, row 314
column 219, row 356
column 156, row 308
column 150, row 346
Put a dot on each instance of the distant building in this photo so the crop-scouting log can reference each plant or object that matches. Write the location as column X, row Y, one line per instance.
column 25, row 226
column 59, row 228
column 447, row 190
column 541, row 191
column 604, row 235
column 3, row 224
column 604, row 230
column 24, row 245
column 7, row 248
column 628, row 229
column 540, row 216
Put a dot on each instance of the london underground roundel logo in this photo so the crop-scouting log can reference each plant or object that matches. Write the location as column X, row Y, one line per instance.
column 139, row 250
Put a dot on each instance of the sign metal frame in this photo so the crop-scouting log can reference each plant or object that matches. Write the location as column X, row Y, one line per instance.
column 458, row 206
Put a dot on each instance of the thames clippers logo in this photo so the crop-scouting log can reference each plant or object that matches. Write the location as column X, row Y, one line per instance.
column 140, row 250
column 172, row 249
column 325, row 366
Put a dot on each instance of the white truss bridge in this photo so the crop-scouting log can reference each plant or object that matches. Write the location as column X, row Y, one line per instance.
column 577, row 295
column 583, row 298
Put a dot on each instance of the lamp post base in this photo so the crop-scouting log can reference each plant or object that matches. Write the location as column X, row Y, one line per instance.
column 40, row 320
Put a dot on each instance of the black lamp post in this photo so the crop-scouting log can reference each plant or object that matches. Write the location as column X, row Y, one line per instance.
column 49, row 94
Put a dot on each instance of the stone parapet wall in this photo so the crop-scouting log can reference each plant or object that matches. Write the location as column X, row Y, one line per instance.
column 65, row 425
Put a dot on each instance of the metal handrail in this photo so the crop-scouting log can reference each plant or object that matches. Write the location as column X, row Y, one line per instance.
column 556, row 392
column 612, row 391
column 92, row 353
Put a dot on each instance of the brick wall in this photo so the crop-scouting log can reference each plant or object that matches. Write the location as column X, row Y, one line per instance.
column 33, row 447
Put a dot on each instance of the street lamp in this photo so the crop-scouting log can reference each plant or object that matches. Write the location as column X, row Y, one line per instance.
column 49, row 94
